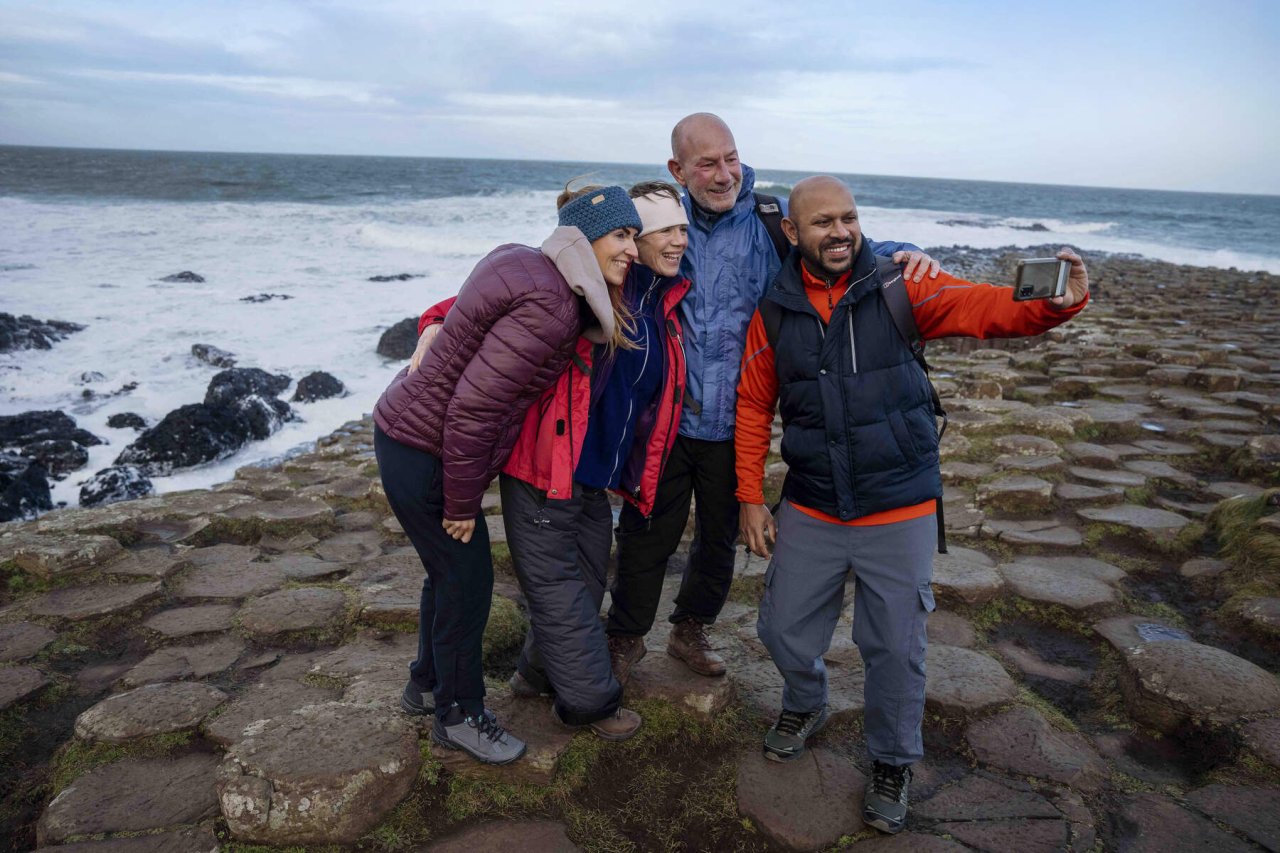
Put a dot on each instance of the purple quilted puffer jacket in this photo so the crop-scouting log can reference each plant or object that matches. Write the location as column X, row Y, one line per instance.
column 508, row 336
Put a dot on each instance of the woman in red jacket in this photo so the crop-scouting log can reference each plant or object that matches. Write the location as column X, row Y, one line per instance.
column 444, row 431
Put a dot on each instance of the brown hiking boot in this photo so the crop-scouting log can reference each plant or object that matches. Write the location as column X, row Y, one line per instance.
column 621, row 725
column 624, row 653
column 689, row 643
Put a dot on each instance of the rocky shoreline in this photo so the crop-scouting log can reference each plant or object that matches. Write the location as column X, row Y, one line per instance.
column 219, row 669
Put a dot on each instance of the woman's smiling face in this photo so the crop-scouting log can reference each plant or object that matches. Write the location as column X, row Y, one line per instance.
column 662, row 250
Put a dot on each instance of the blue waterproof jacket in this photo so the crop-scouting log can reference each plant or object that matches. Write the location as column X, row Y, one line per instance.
column 730, row 261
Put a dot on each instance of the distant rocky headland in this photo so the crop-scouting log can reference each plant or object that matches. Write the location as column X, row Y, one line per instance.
column 221, row 668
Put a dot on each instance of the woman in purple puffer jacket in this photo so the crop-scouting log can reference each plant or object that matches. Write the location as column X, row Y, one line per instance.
column 444, row 431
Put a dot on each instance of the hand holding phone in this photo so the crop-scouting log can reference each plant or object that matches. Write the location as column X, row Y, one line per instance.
column 1041, row 278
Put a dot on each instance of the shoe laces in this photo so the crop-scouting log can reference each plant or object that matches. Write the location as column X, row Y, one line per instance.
column 488, row 726
column 792, row 722
column 696, row 635
column 890, row 782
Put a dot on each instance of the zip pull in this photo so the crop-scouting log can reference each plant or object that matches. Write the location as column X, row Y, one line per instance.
column 830, row 305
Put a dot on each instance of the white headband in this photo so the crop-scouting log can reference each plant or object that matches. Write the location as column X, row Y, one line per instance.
column 658, row 211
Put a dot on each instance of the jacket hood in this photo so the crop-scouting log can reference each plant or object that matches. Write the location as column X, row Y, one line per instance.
column 570, row 250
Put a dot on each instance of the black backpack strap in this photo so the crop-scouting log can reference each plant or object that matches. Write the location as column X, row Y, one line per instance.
column 769, row 209
column 893, row 289
column 771, row 317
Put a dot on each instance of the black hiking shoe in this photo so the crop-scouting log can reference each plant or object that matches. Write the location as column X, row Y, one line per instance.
column 417, row 702
column 785, row 741
column 885, row 804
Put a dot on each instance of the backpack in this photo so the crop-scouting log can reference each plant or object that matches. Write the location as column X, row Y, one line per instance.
column 896, row 301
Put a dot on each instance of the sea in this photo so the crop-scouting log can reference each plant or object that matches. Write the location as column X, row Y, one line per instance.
column 87, row 235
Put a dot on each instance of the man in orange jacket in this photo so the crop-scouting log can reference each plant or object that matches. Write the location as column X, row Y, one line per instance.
column 861, row 444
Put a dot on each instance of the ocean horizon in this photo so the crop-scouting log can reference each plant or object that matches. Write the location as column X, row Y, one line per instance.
column 90, row 233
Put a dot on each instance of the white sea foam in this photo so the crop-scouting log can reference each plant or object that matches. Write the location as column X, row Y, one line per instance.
column 100, row 264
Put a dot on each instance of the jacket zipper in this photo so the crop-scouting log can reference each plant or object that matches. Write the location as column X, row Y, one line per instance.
column 853, row 353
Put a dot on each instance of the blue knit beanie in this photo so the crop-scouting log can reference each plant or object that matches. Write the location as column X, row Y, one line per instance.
column 600, row 211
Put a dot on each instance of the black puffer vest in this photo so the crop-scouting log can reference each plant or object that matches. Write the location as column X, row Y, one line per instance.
column 859, row 434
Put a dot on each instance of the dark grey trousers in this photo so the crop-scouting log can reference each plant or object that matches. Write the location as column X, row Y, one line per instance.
column 560, row 551
column 892, row 565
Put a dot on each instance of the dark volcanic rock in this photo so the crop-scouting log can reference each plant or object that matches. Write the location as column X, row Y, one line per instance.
column 184, row 277
column 190, row 435
column 27, row 332
column 24, row 491
column 317, row 386
column 238, row 383
column 265, row 297
column 263, row 415
column 404, row 276
column 210, row 354
column 59, row 456
column 31, row 427
column 117, row 483
column 399, row 341
column 127, row 420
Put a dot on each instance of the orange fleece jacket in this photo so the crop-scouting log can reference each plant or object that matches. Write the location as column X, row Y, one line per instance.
column 945, row 306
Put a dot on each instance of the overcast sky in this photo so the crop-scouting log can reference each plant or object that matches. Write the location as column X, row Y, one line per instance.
column 1167, row 95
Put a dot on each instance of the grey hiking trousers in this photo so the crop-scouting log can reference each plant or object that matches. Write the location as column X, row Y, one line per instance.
column 560, row 551
column 892, row 565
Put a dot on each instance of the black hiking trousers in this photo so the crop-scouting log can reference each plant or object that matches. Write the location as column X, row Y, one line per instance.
column 458, row 587
column 695, row 468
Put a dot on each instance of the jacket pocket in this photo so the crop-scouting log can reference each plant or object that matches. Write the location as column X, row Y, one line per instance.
column 902, row 434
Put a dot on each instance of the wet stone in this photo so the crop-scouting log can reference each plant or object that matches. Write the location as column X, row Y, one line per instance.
column 965, row 472
column 150, row 710
column 1203, row 567
column 22, row 640
column 179, row 662
column 1021, row 741
column 218, row 555
column 977, row 797
column 805, row 804
column 1074, row 493
column 350, row 547
column 273, row 544
column 1263, row 737
column 389, row 588
column 18, row 683
column 1029, row 663
column 1024, row 835
column 131, row 796
column 1151, row 823
column 324, row 774
column 1026, row 445
column 1061, row 581
column 1028, row 464
column 284, row 518
column 367, row 654
column 527, row 836
column 50, row 556
column 1046, row 532
column 906, row 842
column 186, row 621
column 1093, row 455
column 963, row 682
column 232, row 580
column 1261, row 615
column 1108, row 477
column 85, row 602
column 158, row 562
column 299, row 567
column 966, row 576
column 1019, row 492
column 662, row 677
column 1162, row 447
column 192, row 839
column 949, row 629
column 263, row 702
column 307, row 609
column 1254, row 812
column 1155, row 469
column 1158, row 525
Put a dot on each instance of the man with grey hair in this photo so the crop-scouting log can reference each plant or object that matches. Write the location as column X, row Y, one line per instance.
column 731, row 259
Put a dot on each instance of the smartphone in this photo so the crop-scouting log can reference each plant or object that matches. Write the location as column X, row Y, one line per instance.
column 1041, row 278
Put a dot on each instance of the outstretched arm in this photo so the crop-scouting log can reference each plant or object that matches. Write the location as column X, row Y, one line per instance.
column 757, row 401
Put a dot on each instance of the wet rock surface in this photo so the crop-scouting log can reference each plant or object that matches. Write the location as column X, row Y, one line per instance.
column 1100, row 676
column 150, row 710
column 805, row 804
column 26, row 332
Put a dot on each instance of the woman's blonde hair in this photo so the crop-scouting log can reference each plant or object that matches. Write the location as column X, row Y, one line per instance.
column 624, row 322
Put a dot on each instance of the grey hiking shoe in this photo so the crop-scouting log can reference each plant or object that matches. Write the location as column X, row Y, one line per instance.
column 884, row 805
column 417, row 702
column 480, row 737
column 785, row 741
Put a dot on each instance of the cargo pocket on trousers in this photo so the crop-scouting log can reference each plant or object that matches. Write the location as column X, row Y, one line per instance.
column 926, row 598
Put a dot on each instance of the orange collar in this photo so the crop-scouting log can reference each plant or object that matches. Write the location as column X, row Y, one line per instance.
column 812, row 281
